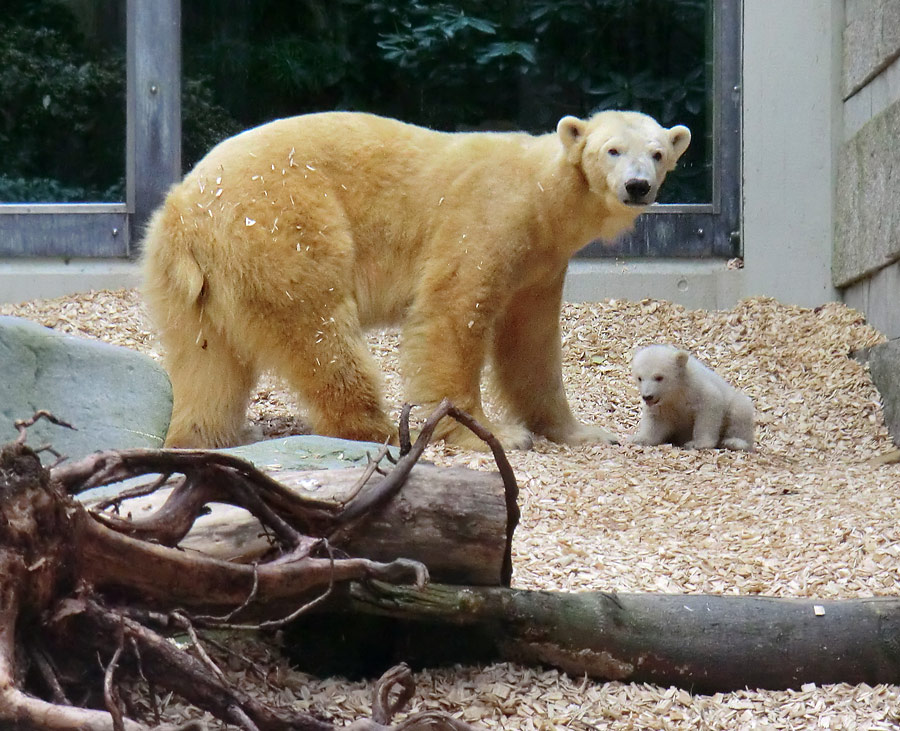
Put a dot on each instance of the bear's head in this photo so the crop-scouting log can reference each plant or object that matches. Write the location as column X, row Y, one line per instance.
column 659, row 371
column 624, row 156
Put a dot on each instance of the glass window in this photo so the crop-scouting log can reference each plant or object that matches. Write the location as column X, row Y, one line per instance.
column 465, row 65
column 62, row 86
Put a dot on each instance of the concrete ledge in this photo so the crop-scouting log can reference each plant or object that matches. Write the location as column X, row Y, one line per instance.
column 877, row 297
column 884, row 365
column 867, row 229
column 706, row 284
column 871, row 40
column 28, row 279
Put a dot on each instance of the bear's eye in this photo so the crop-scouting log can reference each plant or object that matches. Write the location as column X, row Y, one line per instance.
column 657, row 378
column 657, row 156
column 612, row 152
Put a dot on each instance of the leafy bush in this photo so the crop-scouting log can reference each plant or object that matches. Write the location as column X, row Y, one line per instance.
column 458, row 65
column 62, row 119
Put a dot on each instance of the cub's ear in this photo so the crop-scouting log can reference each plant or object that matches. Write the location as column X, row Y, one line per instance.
column 681, row 358
column 679, row 138
column 573, row 134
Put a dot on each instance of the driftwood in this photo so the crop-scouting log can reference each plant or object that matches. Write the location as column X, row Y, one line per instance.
column 77, row 584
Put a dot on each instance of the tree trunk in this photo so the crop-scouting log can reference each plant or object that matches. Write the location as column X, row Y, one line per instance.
column 452, row 519
column 704, row 643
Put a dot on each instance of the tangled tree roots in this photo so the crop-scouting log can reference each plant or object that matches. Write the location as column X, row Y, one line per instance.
column 77, row 584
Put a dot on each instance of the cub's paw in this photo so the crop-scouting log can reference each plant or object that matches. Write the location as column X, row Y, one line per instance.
column 700, row 444
column 641, row 441
column 740, row 445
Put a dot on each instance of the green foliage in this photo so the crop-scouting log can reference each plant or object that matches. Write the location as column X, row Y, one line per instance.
column 203, row 121
column 62, row 120
column 61, row 109
column 465, row 64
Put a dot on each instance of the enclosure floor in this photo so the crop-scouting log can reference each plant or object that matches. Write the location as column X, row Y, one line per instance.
column 806, row 515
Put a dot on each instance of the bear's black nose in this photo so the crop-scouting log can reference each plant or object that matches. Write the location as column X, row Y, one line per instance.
column 637, row 188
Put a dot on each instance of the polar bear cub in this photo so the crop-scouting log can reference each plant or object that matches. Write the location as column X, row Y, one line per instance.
column 687, row 404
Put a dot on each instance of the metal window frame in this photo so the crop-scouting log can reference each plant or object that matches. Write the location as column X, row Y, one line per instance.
column 152, row 154
column 153, row 160
column 709, row 229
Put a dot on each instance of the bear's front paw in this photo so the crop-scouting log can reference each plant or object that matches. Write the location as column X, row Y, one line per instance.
column 591, row 434
column 510, row 436
column 579, row 434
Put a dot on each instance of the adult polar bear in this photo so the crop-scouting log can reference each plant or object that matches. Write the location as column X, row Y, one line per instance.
column 287, row 240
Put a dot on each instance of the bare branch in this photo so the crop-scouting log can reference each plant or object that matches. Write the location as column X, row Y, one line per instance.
column 110, row 696
column 383, row 710
column 22, row 425
column 49, row 676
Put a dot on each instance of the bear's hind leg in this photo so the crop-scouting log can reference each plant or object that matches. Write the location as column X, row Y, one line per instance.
column 333, row 374
column 739, row 429
column 210, row 388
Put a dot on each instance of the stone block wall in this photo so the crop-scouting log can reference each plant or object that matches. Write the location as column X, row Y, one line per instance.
column 866, row 261
column 866, row 257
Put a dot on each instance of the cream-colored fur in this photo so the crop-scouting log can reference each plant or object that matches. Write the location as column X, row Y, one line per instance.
column 287, row 240
column 687, row 404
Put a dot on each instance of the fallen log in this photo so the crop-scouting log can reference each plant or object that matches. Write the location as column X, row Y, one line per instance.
column 452, row 519
column 704, row 643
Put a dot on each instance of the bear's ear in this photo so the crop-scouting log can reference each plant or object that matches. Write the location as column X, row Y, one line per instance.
column 573, row 134
column 681, row 358
column 679, row 138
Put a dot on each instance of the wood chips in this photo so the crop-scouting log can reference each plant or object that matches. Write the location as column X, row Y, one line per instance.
column 806, row 515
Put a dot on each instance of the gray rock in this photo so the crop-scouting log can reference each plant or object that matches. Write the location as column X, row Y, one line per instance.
column 884, row 365
column 307, row 452
column 114, row 397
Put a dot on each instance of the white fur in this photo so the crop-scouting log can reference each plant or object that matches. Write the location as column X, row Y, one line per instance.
column 687, row 404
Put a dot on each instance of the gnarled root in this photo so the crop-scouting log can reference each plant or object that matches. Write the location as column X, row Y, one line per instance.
column 92, row 584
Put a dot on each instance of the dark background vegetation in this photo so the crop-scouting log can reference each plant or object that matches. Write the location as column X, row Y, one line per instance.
column 509, row 64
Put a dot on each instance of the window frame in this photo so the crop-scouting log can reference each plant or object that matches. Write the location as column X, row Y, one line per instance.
column 153, row 160
column 152, row 154
column 703, row 230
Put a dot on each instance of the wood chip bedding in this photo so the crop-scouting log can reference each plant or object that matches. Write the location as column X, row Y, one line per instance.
column 806, row 515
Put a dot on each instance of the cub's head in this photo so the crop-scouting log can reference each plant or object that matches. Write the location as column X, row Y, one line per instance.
column 659, row 372
column 624, row 156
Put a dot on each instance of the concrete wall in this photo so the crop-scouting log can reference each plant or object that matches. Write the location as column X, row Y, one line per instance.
column 867, row 215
